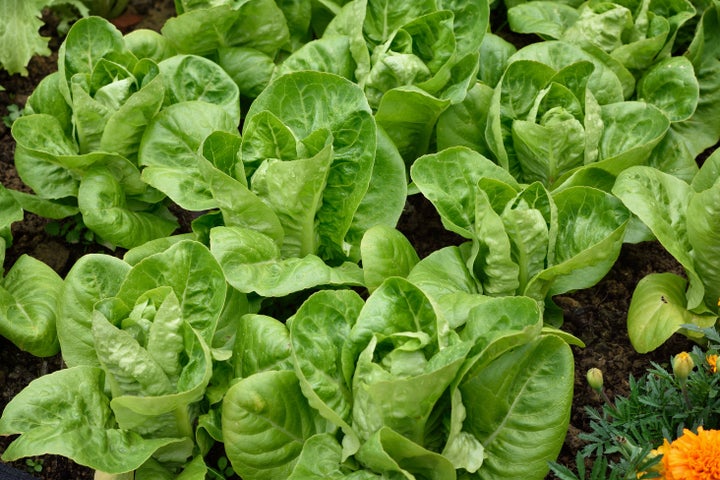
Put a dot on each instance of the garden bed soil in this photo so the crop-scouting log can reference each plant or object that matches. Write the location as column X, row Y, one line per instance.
column 596, row 315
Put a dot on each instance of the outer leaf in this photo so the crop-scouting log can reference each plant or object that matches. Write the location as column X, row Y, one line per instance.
column 519, row 408
column 499, row 325
column 67, row 413
column 703, row 230
column 204, row 30
column 443, row 272
column 643, row 187
column 317, row 334
column 103, row 204
column 146, row 43
column 189, row 77
column 170, row 151
column 266, row 421
column 702, row 130
column 262, row 343
column 48, row 98
column 620, row 149
column 657, row 310
column 321, row 457
column 408, row 115
column 40, row 140
column 385, row 198
column 11, row 211
column 28, row 306
column 464, row 123
column 252, row 263
column 250, row 69
column 671, row 85
column 92, row 278
column 386, row 253
column 449, row 178
column 547, row 19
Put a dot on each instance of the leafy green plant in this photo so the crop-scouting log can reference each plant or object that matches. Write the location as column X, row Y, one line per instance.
column 285, row 205
column 34, row 465
column 223, row 471
column 78, row 144
column 523, row 239
column 684, row 219
column 138, row 341
column 377, row 385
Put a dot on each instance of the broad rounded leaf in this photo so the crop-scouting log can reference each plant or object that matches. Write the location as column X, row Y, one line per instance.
column 28, row 306
column 657, row 310
column 671, row 86
column 170, row 151
column 265, row 423
column 67, row 413
column 518, row 407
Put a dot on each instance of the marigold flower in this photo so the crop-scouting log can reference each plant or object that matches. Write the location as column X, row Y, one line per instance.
column 692, row 456
column 712, row 361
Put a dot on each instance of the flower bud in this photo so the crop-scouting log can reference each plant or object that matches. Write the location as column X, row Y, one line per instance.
column 595, row 378
column 682, row 365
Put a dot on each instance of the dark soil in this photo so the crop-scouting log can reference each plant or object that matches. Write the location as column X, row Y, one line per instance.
column 596, row 315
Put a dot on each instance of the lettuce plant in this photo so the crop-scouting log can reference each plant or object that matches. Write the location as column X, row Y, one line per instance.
column 138, row 340
column 386, row 388
column 523, row 239
column 290, row 199
column 634, row 34
column 558, row 110
column 77, row 147
column 661, row 52
column 684, row 219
